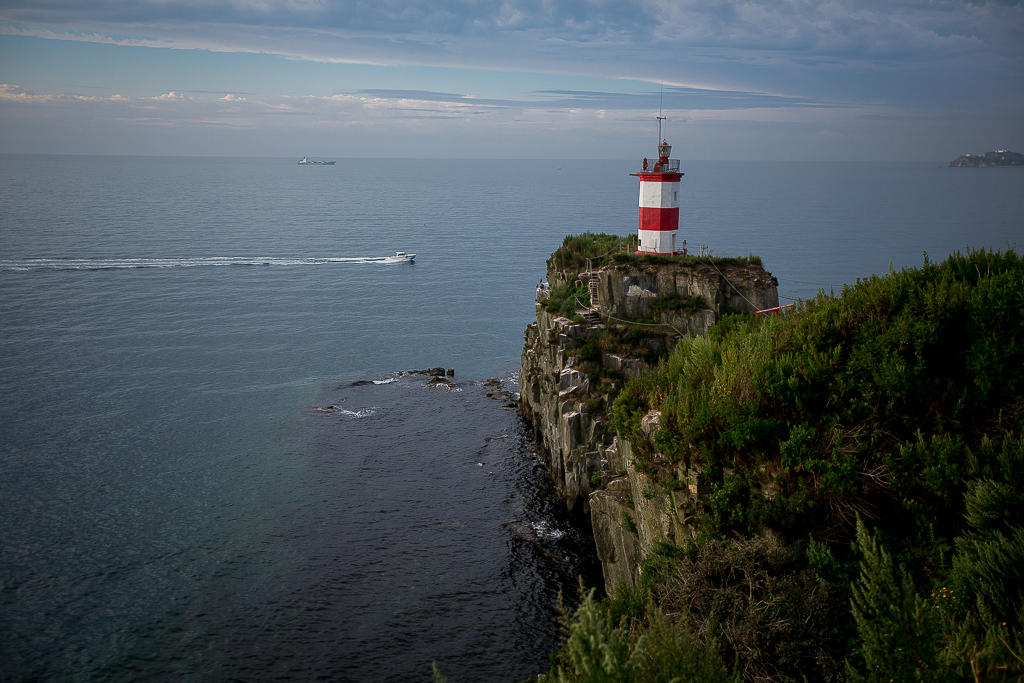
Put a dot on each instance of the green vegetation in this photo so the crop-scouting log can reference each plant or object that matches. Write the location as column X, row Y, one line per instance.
column 603, row 249
column 628, row 341
column 885, row 401
column 674, row 302
column 599, row 247
column 640, row 259
column 601, row 646
column 564, row 299
column 865, row 459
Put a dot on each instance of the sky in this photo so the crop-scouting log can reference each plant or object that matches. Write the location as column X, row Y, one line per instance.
column 581, row 79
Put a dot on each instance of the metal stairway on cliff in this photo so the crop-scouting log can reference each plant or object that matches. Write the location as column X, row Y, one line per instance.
column 592, row 314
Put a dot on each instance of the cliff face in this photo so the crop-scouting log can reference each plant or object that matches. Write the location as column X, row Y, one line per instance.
column 570, row 375
column 632, row 514
column 633, row 291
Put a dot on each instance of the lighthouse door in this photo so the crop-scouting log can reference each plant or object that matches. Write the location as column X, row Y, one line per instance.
column 673, row 243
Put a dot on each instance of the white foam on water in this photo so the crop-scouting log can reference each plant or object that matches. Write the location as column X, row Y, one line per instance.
column 365, row 412
column 48, row 264
column 389, row 380
column 544, row 530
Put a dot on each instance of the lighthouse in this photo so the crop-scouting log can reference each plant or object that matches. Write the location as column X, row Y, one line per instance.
column 659, row 204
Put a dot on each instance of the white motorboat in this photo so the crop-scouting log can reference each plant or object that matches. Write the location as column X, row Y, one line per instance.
column 306, row 161
column 399, row 257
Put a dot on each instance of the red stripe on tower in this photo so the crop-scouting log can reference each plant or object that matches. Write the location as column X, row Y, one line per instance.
column 659, row 219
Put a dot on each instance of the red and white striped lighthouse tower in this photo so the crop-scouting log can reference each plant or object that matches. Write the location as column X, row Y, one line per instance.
column 659, row 204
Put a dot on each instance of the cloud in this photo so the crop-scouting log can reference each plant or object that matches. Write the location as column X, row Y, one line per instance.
column 834, row 27
column 421, row 124
column 680, row 97
column 909, row 52
column 17, row 94
column 561, row 109
column 579, row 19
column 367, row 107
column 765, row 62
column 85, row 37
column 847, row 28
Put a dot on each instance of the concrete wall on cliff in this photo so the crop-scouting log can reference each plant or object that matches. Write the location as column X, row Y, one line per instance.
column 591, row 467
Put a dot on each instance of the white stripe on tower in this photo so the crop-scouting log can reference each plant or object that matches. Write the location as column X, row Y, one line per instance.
column 659, row 207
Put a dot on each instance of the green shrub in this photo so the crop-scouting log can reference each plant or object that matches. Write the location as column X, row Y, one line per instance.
column 775, row 618
column 619, row 641
column 602, row 249
column 597, row 649
column 576, row 249
column 899, row 630
column 899, row 402
column 632, row 258
column 564, row 300
column 899, row 389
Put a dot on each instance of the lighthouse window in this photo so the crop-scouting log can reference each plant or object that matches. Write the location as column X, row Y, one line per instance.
column 675, row 196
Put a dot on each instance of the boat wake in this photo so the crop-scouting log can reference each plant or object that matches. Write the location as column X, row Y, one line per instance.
column 37, row 264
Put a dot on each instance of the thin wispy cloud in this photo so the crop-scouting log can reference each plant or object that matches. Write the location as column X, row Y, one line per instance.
column 900, row 28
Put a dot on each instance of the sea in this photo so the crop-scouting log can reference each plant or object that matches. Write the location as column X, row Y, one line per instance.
column 216, row 460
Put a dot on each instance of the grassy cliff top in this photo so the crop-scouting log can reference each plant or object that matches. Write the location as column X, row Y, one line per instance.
column 603, row 249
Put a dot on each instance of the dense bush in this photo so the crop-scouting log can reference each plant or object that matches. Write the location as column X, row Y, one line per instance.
column 885, row 401
column 616, row 643
column 888, row 424
column 598, row 247
column 564, row 299
column 776, row 617
column 628, row 341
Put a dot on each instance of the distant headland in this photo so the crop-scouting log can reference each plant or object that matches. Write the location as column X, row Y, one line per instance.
column 1000, row 157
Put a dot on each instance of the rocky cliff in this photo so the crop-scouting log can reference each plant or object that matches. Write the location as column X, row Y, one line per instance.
column 572, row 369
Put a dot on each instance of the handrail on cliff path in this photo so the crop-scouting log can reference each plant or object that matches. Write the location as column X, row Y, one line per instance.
column 788, row 309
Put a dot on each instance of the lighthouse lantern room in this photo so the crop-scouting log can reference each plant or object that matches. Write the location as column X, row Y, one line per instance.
column 659, row 204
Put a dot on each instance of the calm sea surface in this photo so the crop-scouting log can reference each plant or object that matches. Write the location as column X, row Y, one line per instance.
column 210, row 466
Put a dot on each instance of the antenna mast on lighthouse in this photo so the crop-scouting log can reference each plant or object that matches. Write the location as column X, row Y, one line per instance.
column 661, row 101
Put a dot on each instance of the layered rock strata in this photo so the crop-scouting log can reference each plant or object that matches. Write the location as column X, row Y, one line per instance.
column 567, row 400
